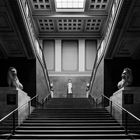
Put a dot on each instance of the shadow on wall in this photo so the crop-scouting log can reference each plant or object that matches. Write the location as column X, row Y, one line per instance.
column 26, row 72
column 113, row 70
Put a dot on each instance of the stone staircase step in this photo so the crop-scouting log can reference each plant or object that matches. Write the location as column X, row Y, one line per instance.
column 71, row 124
column 71, row 127
column 70, row 119
column 66, row 136
column 63, row 131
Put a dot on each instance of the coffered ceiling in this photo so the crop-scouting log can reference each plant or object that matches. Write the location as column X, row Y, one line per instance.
column 11, row 40
column 55, row 22
column 52, row 22
column 48, row 21
column 126, row 39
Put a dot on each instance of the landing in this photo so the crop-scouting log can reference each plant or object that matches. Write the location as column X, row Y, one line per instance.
column 70, row 103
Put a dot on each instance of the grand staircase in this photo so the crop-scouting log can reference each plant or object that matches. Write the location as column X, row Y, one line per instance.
column 70, row 119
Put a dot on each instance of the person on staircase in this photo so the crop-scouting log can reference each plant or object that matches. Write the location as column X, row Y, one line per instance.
column 69, row 89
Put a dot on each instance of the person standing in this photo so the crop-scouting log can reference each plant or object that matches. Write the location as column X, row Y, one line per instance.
column 69, row 89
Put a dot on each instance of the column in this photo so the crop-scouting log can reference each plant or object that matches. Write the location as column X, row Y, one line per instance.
column 81, row 55
column 58, row 55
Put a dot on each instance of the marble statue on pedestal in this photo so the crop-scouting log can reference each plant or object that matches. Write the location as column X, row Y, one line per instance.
column 127, row 78
column 69, row 89
column 12, row 78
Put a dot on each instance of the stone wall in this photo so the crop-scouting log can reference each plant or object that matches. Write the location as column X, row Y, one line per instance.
column 60, row 86
column 129, row 99
column 12, row 98
column 98, row 85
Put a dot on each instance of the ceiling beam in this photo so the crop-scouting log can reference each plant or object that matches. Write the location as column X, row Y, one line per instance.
column 53, row 5
column 69, row 16
column 69, row 35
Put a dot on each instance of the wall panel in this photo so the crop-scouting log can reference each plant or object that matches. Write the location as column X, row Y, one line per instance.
column 49, row 53
column 70, row 55
column 90, row 53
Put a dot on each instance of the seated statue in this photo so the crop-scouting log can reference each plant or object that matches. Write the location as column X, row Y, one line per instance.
column 12, row 78
column 127, row 78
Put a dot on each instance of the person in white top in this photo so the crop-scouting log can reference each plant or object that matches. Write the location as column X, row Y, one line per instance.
column 69, row 88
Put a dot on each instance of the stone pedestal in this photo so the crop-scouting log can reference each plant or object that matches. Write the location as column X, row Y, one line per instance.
column 128, row 98
column 12, row 98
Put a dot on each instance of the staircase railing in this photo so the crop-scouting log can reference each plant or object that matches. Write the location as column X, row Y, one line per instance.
column 94, row 69
column 128, row 120
column 10, row 122
column 46, row 70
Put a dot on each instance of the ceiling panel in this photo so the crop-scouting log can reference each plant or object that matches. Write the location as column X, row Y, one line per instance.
column 83, row 25
column 46, row 25
column 13, row 48
column 11, row 44
column 98, row 4
column 5, row 24
column 129, row 43
column 127, row 47
column 70, row 25
column 48, row 20
column 135, row 20
column 41, row 4
column 2, row 3
column 93, row 24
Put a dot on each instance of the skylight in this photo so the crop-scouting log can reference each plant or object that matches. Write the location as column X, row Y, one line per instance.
column 70, row 4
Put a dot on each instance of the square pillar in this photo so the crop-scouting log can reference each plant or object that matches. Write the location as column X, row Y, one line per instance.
column 81, row 55
column 58, row 55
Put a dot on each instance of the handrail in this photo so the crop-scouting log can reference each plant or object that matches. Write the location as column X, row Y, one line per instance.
column 93, row 71
column 121, row 108
column 97, row 62
column 43, row 58
column 17, row 108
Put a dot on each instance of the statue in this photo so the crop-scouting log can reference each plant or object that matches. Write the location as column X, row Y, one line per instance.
column 51, row 88
column 127, row 78
column 87, row 90
column 69, row 88
column 12, row 78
